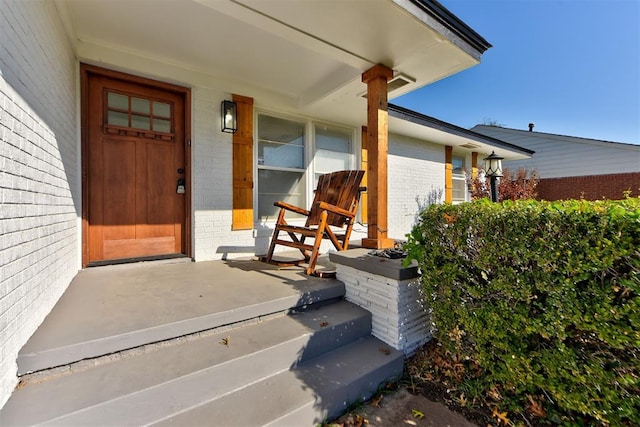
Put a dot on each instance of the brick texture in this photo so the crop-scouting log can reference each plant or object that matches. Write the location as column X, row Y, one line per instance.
column 398, row 314
column 212, row 178
column 39, row 180
column 416, row 180
column 592, row 187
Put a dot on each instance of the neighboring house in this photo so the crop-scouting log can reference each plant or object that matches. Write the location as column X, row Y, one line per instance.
column 110, row 120
column 571, row 167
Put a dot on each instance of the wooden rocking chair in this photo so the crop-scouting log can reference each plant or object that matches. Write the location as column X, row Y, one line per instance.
column 335, row 205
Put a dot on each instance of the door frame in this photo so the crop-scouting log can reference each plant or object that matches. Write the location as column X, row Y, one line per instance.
column 86, row 71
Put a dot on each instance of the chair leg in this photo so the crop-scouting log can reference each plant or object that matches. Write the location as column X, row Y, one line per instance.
column 276, row 232
column 316, row 244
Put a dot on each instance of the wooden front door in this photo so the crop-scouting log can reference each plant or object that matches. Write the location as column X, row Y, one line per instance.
column 134, row 167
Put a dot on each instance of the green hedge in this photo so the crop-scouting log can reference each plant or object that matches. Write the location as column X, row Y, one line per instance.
column 542, row 299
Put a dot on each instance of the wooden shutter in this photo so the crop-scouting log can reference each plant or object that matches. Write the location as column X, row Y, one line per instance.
column 448, row 174
column 243, row 166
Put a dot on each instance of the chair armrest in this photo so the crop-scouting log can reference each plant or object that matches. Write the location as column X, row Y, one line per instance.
column 291, row 208
column 335, row 209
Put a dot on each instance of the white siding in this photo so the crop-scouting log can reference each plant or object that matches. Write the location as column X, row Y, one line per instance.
column 39, row 184
column 416, row 179
column 558, row 156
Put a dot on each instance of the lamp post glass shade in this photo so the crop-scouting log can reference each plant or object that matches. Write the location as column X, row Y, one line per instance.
column 493, row 165
column 229, row 112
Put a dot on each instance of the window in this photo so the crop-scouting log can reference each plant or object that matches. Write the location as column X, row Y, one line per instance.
column 283, row 147
column 126, row 111
column 459, row 179
column 334, row 150
column 281, row 152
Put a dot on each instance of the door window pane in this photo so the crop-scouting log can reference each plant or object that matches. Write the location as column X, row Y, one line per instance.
column 140, row 122
column 117, row 101
column 116, row 118
column 161, row 109
column 161, row 125
column 135, row 112
column 139, row 105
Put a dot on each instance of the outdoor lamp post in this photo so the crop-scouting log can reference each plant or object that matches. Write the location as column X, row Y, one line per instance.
column 493, row 169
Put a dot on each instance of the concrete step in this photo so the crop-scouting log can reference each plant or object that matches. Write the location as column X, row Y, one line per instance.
column 157, row 383
column 312, row 392
column 34, row 358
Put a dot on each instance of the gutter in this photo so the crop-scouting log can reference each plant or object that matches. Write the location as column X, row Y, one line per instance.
column 431, row 122
column 452, row 23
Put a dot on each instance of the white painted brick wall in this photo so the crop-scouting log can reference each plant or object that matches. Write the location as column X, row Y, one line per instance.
column 416, row 178
column 212, row 183
column 399, row 316
column 39, row 184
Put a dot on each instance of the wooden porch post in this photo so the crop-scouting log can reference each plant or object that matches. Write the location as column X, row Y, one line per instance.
column 474, row 165
column 376, row 79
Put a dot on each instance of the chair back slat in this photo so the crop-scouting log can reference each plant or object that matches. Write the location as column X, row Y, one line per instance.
column 342, row 189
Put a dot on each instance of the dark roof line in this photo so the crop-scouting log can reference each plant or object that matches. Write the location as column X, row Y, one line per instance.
column 561, row 135
column 453, row 23
column 421, row 119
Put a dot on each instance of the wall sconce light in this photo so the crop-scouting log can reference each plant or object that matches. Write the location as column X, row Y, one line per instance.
column 229, row 113
column 493, row 170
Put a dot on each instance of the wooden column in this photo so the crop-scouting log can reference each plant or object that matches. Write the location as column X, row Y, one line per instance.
column 376, row 79
column 474, row 165
column 364, row 158
column 448, row 174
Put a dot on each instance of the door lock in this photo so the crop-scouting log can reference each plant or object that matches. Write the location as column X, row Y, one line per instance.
column 181, row 187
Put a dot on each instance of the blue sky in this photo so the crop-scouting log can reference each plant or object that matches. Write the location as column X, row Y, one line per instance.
column 572, row 67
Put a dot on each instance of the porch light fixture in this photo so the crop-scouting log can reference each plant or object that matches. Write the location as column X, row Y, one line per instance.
column 229, row 117
column 493, row 170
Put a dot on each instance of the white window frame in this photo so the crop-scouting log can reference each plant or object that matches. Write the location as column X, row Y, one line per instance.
column 309, row 157
column 460, row 177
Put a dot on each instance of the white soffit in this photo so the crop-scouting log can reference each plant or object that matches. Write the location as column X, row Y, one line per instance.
column 312, row 52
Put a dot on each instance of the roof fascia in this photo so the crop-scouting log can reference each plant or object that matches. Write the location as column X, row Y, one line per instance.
column 452, row 23
column 431, row 122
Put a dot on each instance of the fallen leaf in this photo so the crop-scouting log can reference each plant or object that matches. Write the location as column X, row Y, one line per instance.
column 494, row 394
column 535, row 408
column 462, row 400
column 225, row 341
column 501, row 416
column 385, row 350
column 375, row 402
column 417, row 414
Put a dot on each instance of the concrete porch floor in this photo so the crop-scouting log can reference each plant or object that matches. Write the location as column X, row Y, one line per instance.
column 114, row 308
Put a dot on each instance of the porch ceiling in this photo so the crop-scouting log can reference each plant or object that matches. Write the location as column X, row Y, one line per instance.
column 306, row 56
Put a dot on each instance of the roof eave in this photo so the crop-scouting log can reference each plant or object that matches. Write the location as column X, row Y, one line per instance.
column 431, row 122
column 454, row 24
